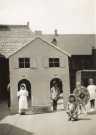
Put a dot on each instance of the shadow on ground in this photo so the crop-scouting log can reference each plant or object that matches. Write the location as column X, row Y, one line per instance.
column 4, row 110
column 6, row 129
column 84, row 119
column 92, row 113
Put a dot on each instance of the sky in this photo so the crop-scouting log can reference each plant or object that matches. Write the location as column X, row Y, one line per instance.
column 67, row 16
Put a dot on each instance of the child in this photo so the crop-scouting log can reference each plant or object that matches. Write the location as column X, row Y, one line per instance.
column 92, row 92
column 54, row 96
column 23, row 103
column 72, row 108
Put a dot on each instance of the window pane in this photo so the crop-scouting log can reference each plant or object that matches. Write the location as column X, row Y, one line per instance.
column 51, row 59
column 51, row 65
column 56, row 60
column 27, row 60
column 51, row 62
column 21, row 60
column 56, row 65
column 21, row 65
column 24, row 62
column 27, row 65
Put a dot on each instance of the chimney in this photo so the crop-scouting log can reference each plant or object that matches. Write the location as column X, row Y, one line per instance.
column 54, row 41
column 56, row 32
column 38, row 32
column 28, row 24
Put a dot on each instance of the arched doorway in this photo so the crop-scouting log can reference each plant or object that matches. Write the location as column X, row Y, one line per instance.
column 28, row 86
column 58, row 82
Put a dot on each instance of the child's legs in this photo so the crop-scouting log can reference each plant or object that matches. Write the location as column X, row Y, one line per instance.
column 69, row 115
column 84, row 110
column 92, row 103
column 20, row 111
column 54, row 105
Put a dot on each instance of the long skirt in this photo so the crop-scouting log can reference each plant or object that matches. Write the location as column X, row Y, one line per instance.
column 23, row 103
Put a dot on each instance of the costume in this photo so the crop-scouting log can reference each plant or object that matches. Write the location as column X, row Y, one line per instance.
column 92, row 92
column 82, row 97
column 72, row 108
column 54, row 96
column 22, row 94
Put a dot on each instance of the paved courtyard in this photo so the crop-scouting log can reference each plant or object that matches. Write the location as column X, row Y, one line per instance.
column 46, row 124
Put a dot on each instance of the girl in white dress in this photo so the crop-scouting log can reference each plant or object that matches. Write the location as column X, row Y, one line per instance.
column 92, row 91
column 23, row 102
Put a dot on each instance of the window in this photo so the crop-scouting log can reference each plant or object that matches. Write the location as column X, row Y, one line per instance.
column 54, row 62
column 24, row 62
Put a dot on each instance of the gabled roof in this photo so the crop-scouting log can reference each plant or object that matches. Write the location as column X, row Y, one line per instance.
column 13, row 37
column 50, row 44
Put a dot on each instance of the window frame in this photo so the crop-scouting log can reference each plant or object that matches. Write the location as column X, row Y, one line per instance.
column 54, row 62
column 24, row 62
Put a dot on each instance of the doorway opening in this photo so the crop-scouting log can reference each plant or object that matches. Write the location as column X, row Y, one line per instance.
column 58, row 83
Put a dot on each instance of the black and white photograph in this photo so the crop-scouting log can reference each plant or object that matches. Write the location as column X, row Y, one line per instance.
column 47, row 67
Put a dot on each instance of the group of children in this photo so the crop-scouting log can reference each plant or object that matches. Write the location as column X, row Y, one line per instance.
column 76, row 102
column 80, row 98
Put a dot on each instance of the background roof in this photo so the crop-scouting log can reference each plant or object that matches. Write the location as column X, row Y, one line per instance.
column 75, row 44
column 14, row 37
